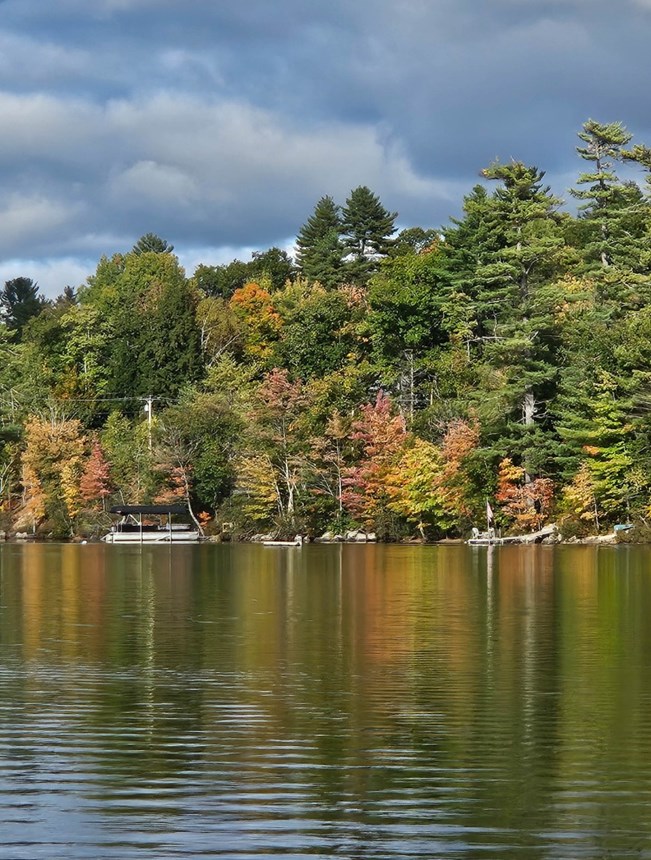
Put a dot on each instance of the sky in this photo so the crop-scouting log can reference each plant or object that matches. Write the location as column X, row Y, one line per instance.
column 218, row 124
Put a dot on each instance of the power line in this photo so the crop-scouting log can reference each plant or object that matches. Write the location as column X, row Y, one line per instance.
column 144, row 397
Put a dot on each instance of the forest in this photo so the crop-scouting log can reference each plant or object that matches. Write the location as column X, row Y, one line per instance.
column 391, row 381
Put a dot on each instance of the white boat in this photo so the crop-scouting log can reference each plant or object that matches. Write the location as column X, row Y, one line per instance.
column 298, row 541
column 485, row 541
column 151, row 524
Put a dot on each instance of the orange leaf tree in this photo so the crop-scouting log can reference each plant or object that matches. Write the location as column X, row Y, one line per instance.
column 95, row 483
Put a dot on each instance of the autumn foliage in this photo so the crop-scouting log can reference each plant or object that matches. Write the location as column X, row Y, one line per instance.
column 526, row 502
column 381, row 437
column 95, row 482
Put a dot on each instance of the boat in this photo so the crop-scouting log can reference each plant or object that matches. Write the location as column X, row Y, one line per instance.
column 151, row 524
column 486, row 541
column 298, row 541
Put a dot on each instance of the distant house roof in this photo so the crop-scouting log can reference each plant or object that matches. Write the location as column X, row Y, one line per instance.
column 124, row 510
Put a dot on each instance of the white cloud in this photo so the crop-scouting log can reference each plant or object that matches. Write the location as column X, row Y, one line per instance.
column 227, row 149
column 52, row 275
column 25, row 59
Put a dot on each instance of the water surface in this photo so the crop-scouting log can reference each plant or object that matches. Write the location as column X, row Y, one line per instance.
column 360, row 702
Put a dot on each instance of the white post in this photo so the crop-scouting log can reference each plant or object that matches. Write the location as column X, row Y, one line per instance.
column 149, row 410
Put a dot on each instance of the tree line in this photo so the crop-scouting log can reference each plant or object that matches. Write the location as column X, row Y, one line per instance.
column 388, row 380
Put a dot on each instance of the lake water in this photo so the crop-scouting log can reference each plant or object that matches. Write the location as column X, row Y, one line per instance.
column 330, row 701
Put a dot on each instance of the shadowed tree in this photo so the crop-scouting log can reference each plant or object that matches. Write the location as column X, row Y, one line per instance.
column 150, row 242
column 274, row 264
column 366, row 227
column 319, row 249
column 19, row 302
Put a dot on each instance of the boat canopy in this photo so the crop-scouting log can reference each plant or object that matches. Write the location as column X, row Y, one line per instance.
column 125, row 510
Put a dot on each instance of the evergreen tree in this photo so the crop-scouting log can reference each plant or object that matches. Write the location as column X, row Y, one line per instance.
column 19, row 302
column 601, row 428
column 366, row 227
column 527, row 213
column 151, row 243
column 319, row 249
column 608, row 205
column 505, row 251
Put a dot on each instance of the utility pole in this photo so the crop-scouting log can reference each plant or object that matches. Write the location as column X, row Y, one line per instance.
column 149, row 408
column 409, row 355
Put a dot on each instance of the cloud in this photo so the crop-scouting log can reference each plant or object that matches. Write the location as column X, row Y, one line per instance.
column 219, row 125
column 190, row 168
column 35, row 216
column 51, row 275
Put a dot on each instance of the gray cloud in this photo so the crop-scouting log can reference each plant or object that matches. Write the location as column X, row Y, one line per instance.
column 219, row 125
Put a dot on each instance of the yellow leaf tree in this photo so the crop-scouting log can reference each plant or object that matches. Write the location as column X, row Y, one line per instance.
column 52, row 465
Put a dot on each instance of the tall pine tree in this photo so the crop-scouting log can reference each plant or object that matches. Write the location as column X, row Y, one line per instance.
column 366, row 228
column 319, row 249
column 609, row 207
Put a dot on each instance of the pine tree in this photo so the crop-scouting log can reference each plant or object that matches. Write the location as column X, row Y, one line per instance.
column 600, row 426
column 19, row 302
column 507, row 248
column 608, row 205
column 319, row 249
column 366, row 228
column 151, row 243
column 527, row 214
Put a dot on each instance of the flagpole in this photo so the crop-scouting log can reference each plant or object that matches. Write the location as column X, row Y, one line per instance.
column 489, row 518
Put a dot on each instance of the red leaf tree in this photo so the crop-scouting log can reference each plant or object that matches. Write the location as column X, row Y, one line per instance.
column 367, row 486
